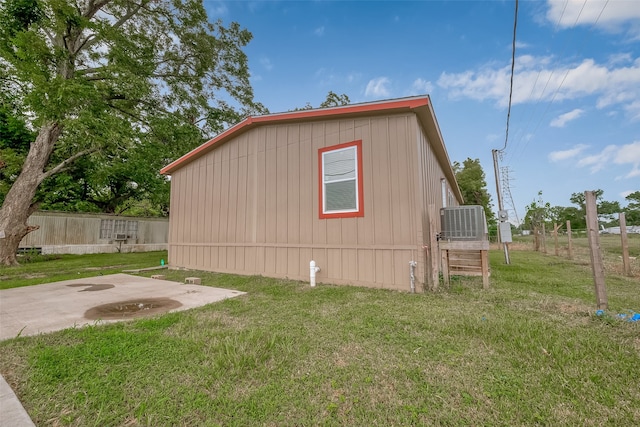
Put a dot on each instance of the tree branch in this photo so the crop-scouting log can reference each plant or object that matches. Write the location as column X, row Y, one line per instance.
column 86, row 71
column 123, row 19
column 61, row 166
column 93, row 7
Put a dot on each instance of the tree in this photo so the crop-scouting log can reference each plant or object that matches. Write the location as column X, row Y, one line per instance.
column 332, row 100
column 14, row 145
column 473, row 185
column 632, row 211
column 105, row 77
column 537, row 215
column 579, row 199
column 607, row 211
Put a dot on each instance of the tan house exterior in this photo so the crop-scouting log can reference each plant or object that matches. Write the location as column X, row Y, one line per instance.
column 357, row 188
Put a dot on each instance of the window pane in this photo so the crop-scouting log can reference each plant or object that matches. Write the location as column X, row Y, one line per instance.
column 132, row 229
column 340, row 196
column 106, row 226
column 120, row 226
column 340, row 164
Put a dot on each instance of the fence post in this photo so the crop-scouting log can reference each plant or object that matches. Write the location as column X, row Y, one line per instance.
column 570, row 247
column 625, row 244
column 593, row 234
column 556, row 227
column 544, row 239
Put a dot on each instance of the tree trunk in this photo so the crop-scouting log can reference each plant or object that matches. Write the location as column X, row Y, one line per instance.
column 18, row 204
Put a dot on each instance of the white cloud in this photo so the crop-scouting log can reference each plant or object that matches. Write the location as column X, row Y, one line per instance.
column 420, row 86
column 266, row 63
column 378, row 87
column 319, row 31
column 620, row 58
column 556, row 156
column 605, row 14
column 635, row 172
column 536, row 79
column 563, row 119
column 598, row 161
column 569, row 12
column 628, row 154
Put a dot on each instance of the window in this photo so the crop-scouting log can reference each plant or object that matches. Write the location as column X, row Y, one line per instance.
column 340, row 170
column 106, row 228
column 109, row 228
column 132, row 229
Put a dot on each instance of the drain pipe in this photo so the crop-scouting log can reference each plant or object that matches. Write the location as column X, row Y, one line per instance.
column 412, row 266
column 312, row 273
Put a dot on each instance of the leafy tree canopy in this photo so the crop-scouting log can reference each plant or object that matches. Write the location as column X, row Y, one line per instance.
column 632, row 211
column 539, row 212
column 128, row 86
column 332, row 100
column 473, row 185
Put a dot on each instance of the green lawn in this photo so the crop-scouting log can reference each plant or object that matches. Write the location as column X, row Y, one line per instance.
column 529, row 351
column 38, row 269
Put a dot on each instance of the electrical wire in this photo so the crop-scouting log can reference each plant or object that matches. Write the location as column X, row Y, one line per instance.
column 557, row 90
column 513, row 66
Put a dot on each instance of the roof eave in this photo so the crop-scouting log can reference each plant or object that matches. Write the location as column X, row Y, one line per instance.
column 379, row 107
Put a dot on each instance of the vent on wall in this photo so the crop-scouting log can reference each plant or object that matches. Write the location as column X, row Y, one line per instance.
column 463, row 223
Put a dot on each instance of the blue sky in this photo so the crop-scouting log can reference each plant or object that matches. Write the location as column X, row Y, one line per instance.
column 575, row 119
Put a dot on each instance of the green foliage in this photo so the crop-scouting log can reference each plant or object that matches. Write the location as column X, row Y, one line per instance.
column 473, row 185
column 538, row 213
column 332, row 100
column 133, row 85
column 14, row 144
column 632, row 211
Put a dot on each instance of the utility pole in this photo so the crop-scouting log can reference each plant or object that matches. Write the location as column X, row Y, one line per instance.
column 504, row 227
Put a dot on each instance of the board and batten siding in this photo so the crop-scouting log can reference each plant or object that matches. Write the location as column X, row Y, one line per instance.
column 250, row 206
column 431, row 174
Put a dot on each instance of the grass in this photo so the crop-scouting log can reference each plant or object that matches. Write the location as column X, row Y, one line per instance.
column 37, row 269
column 529, row 351
column 610, row 244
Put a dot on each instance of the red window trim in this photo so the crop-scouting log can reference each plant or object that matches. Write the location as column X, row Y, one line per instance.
column 360, row 211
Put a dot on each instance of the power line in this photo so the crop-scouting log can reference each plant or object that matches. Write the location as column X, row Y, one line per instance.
column 557, row 90
column 513, row 66
column 494, row 153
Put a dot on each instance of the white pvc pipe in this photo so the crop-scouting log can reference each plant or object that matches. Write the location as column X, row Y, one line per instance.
column 312, row 273
column 412, row 266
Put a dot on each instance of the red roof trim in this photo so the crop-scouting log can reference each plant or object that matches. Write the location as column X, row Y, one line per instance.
column 249, row 122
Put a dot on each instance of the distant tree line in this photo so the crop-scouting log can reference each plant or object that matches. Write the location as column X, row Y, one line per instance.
column 540, row 212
